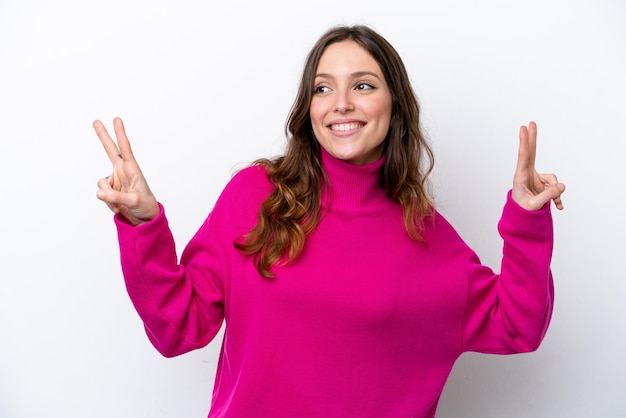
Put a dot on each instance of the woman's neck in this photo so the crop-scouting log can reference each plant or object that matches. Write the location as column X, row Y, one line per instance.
column 351, row 185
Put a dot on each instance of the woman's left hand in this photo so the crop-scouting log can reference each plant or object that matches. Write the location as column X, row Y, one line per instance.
column 532, row 190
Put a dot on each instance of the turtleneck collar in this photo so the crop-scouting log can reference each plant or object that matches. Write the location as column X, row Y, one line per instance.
column 351, row 185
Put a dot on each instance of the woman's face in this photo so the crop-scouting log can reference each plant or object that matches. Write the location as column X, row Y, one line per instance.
column 351, row 105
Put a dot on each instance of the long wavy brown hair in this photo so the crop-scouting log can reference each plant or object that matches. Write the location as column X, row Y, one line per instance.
column 293, row 209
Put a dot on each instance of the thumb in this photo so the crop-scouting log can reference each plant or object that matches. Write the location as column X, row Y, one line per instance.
column 552, row 192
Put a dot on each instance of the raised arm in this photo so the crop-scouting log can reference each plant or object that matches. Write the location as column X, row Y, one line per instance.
column 510, row 312
column 126, row 190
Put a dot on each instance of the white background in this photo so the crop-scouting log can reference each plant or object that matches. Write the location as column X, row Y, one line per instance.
column 204, row 88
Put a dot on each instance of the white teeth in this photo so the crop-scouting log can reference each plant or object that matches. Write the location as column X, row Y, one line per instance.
column 345, row 126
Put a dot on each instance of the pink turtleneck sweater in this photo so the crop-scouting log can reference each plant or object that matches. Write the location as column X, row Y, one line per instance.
column 365, row 323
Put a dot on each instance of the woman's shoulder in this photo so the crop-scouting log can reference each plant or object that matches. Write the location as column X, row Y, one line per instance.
column 248, row 184
column 254, row 175
column 438, row 228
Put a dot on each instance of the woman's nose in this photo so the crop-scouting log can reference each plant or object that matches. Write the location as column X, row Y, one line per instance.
column 344, row 103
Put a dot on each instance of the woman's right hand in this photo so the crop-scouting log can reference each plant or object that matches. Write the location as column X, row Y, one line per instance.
column 125, row 191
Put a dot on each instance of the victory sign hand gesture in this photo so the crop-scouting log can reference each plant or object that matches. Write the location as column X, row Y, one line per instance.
column 532, row 190
column 125, row 191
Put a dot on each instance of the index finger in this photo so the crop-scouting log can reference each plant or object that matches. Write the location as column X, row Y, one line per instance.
column 123, row 143
column 532, row 143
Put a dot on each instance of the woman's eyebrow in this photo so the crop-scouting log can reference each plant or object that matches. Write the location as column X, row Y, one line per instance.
column 354, row 75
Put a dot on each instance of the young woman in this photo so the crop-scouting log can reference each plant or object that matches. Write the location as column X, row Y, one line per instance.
column 344, row 292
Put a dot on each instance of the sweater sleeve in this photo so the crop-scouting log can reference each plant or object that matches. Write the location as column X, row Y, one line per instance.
column 184, row 303
column 510, row 312
column 166, row 293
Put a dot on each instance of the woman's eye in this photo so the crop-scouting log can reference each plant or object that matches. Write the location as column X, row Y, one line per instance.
column 364, row 86
column 321, row 89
